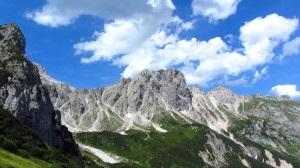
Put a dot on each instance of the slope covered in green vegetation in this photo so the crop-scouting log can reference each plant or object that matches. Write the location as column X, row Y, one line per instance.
column 8, row 159
column 179, row 147
column 149, row 149
column 21, row 147
column 242, row 129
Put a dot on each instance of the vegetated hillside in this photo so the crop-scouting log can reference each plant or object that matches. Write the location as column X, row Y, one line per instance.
column 20, row 147
column 272, row 123
column 192, row 145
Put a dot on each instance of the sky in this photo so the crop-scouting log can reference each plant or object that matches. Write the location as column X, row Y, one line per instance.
column 249, row 46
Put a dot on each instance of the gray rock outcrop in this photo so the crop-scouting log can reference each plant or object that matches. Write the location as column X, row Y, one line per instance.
column 214, row 154
column 22, row 93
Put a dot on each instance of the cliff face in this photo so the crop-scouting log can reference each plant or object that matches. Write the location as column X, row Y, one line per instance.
column 22, row 93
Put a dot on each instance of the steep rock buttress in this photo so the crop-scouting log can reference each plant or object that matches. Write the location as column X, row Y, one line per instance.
column 22, row 93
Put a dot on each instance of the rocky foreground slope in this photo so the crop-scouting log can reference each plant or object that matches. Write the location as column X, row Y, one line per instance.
column 22, row 93
column 264, row 127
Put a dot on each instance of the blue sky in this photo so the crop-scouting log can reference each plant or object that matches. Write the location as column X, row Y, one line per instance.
column 250, row 46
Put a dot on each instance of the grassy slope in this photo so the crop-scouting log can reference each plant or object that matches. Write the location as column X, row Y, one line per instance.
column 21, row 147
column 8, row 159
column 240, row 128
column 158, row 149
column 177, row 148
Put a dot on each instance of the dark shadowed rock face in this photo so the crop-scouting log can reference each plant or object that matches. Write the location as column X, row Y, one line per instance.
column 23, row 95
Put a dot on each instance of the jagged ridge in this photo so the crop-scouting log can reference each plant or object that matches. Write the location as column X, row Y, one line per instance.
column 161, row 101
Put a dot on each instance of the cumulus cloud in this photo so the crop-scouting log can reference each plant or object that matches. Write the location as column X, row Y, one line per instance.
column 200, row 61
column 123, row 36
column 148, row 37
column 215, row 9
column 242, row 81
column 292, row 47
column 205, row 61
column 64, row 12
column 262, row 35
column 290, row 90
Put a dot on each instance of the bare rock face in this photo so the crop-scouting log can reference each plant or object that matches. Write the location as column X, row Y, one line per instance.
column 164, row 88
column 226, row 98
column 218, row 151
column 22, row 93
column 131, row 103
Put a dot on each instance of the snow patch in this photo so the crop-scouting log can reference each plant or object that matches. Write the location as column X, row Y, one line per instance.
column 106, row 157
column 158, row 128
column 129, row 115
column 122, row 133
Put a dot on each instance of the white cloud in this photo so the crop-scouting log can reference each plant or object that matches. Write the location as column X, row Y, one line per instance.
column 292, row 47
column 63, row 12
column 273, row 26
column 262, row 35
column 147, row 37
column 123, row 36
column 260, row 74
column 230, row 38
column 181, row 25
column 215, row 9
column 290, row 90
column 200, row 61
column 242, row 81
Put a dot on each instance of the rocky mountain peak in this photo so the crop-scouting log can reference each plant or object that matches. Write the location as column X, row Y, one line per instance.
column 167, row 75
column 11, row 39
column 169, row 84
column 170, row 75
column 12, row 55
column 42, row 70
column 222, row 94
column 12, row 31
column 221, row 90
column 196, row 90
column 22, row 93
column 226, row 97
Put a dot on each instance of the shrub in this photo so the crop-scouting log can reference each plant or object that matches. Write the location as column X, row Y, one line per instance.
column 4, row 74
column 9, row 145
column 23, row 153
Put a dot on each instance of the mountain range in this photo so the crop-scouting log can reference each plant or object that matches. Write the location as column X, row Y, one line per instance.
column 154, row 115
